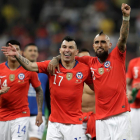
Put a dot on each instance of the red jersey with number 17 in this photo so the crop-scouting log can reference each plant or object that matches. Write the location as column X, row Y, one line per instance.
column 109, row 83
column 14, row 103
column 66, row 89
column 134, row 74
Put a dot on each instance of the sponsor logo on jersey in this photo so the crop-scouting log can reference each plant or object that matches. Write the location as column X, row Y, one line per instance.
column 69, row 76
column 79, row 75
column 11, row 77
column 107, row 64
column 101, row 70
column 2, row 76
column 21, row 76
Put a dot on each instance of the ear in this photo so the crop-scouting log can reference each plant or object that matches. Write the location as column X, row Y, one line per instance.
column 77, row 51
column 23, row 53
column 110, row 45
column 60, row 50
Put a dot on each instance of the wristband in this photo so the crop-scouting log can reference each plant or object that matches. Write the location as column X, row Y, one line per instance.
column 126, row 18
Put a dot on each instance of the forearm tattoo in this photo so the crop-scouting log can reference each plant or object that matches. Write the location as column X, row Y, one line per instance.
column 39, row 98
column 124, row 32
column 26, row 61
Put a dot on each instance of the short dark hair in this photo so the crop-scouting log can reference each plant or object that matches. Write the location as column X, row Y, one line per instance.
column 69, row 38
column 29, row 44
column 13, row 42
column 84, row 50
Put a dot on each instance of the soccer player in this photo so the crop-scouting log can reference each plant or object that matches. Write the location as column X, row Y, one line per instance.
column 88, row 106
column 108, row 72
column 35, row 132
column 66, row 89
column 133, row 81
column 14, row 110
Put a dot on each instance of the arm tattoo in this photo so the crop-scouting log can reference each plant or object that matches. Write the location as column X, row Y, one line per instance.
column 23, row 59
column 123, row 34
column 39, row 98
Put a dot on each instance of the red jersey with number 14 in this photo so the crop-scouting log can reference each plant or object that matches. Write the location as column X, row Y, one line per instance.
column 66, row 89
column 14, row 103
column 109, row 83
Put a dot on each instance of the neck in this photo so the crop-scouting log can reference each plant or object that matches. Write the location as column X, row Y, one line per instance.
column 13, row 65
column 68, row 65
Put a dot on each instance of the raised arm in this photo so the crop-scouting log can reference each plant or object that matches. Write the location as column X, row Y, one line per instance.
column 39, row 99
column 124, row 31
column 26, row 64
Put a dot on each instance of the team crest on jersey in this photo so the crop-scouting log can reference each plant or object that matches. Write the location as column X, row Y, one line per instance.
column 79, row 75
column 101, row 70
column 69, row 76
column 21, row 76
column 11, row 77
column 107, row 64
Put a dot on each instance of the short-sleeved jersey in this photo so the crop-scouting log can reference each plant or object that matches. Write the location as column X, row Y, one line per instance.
column 109, row 83
column 32, row 95
column 14, row 103
column 134, row 74
column 66, row 89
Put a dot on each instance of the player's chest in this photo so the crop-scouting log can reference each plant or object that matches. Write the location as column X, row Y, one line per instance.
column 69, row 78
column 10, row 78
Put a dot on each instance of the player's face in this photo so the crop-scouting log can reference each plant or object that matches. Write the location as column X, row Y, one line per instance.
column 12, row 58
column 68, row 51
column 101, row 45
column 84, row 54
column 31, row 53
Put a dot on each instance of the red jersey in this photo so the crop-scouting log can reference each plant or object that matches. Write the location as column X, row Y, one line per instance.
column 66, row 89
column 134, row 74
column 109, row 83
column 14, row 103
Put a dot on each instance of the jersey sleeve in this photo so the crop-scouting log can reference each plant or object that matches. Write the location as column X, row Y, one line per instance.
column 89, row 79
column 42, row 66
column 35, row 80
column 129, row 71
column 118, row 54
column 84, row 59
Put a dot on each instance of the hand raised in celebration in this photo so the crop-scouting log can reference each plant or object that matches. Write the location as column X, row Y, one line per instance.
column 126, row 9
column 9, row 50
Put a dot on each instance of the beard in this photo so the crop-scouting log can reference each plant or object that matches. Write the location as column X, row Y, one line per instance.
column 102, row 56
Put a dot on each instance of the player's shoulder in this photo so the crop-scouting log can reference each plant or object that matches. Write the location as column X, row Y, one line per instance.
column 134, row 60
column 82, row 66
column 2, row 65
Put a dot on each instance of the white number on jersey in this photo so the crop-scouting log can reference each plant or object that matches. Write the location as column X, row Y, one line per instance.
column 4, row 84
column 136, row 70
column 61, row 78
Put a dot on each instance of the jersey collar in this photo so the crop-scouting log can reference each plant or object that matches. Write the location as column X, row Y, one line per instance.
column 74, row 65
column 6, row 63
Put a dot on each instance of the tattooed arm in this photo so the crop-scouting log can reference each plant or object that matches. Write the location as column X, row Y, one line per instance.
column 124, row 31
column 39, row 99
column 10, row 50
column 26, row 64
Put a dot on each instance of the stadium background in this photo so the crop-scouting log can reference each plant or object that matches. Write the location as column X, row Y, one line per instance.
column 46, row 22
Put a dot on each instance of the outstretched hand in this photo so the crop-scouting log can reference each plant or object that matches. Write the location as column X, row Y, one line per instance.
column 126, row 9
column 9, row 50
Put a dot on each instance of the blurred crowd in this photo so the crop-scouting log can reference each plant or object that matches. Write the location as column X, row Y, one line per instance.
column 46, row 22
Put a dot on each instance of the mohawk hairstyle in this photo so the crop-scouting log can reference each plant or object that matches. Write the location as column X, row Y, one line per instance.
column 101, row 33
column 13, row 42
